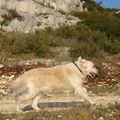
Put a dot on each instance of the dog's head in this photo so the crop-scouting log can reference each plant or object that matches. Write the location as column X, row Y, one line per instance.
column 87, row 67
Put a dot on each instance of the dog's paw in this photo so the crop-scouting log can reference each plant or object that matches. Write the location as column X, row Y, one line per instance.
column 20, row 111
column 37, row 109
column 93, row 103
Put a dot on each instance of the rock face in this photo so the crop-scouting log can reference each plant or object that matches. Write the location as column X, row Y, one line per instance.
column 31, row 15
column 63, row 5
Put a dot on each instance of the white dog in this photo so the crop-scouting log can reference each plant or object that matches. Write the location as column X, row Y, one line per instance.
column 31, row 84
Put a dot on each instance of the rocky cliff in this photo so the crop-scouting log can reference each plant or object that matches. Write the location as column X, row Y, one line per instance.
column 31, row 15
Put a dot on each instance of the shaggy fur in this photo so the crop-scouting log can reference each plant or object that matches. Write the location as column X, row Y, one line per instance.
column 31, row 84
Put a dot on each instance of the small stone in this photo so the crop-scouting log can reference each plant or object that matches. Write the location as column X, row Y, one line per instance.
column 1, row 66
column 101, row 118
column 59, row 116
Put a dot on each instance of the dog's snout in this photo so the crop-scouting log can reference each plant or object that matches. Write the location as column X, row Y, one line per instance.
column 92, row 74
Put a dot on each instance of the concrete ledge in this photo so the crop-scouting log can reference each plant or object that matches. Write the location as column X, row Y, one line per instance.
column 10, row 107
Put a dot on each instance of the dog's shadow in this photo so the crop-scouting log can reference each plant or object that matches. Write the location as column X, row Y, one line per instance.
column 50, row 105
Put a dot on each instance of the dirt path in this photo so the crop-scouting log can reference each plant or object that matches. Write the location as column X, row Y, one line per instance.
column 105, row 100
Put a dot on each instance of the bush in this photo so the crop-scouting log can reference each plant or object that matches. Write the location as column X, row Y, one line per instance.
column 93, row 6
column 102, row 22
column 17, row 44
column 90, row 44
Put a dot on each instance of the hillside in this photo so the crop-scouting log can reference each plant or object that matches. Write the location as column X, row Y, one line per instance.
column 98, row 26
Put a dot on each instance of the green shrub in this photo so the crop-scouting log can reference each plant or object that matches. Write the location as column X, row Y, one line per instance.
column 67, row 32
column 16, row 44
column 90, row 44
column 93, row 6
column 102, row 22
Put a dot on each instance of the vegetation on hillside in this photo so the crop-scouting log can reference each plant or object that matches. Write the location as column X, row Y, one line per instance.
column 102, row 22
column 91, row 5
column 97, row 36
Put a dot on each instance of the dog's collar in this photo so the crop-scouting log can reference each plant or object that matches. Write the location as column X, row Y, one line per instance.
column 77, row 67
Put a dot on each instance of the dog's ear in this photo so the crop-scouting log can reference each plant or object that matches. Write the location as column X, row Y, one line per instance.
column 82, row 62
column 80, row 59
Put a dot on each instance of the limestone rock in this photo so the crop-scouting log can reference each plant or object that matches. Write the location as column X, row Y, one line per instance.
column 32, row 15
column 63, row 5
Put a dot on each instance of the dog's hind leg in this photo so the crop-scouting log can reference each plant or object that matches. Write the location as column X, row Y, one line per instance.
column 22, row 100
column 35, row 103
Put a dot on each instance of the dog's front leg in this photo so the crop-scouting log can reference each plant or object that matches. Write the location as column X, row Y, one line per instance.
column 82, row 92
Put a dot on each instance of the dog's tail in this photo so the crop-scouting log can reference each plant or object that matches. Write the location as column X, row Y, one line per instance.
column 18, row 87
